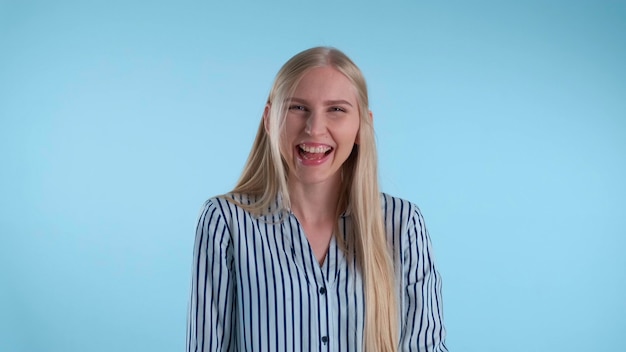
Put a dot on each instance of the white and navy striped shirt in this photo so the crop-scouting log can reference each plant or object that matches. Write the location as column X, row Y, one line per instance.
column 257, row 285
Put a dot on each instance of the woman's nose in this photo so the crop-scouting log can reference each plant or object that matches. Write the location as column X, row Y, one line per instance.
column 315, row 124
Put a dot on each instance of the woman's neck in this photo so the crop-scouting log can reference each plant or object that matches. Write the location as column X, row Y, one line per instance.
column 314, row 203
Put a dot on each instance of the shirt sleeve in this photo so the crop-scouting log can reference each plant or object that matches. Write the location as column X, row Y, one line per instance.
column 422, row 310
column 210, row 323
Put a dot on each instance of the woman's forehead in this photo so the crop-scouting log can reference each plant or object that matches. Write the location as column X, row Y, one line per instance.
column 325, row 84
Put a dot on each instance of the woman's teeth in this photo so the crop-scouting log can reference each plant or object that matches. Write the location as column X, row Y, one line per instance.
column 314, row 150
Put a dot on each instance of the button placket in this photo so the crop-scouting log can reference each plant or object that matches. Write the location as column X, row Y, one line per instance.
column 323, row 299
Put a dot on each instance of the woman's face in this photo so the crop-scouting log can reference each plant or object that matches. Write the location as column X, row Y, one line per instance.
column 321, row 127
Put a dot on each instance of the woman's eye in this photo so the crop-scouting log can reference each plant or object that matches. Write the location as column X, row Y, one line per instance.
column 297, row 107
column 337, row 108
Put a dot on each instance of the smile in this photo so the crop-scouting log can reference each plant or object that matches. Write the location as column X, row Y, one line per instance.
column 313, row 154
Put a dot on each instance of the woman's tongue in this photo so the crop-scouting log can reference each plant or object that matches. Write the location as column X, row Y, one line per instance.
column 312, row 156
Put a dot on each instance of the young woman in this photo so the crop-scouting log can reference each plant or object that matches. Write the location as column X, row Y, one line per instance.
column 306, row 254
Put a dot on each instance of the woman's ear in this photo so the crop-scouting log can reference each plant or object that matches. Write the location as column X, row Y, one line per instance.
column 266, row 118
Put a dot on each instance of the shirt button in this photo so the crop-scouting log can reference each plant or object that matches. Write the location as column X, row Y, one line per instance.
column 324, row 339
column 322, row 290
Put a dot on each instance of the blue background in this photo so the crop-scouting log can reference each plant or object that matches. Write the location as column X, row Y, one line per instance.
column 505, row 122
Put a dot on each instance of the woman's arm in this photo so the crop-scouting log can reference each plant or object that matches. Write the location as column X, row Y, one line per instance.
column 210, row 322
column 422, row 309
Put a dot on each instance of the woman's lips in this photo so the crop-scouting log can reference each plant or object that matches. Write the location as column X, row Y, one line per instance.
column 313, row 154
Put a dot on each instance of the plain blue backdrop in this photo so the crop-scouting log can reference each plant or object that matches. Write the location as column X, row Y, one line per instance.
column 504, row 121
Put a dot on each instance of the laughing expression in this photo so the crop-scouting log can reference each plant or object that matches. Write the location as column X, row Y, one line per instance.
column 321, row 127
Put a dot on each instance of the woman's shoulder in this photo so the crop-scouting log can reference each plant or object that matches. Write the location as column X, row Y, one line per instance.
column 238, row 206
column 229, row 201
column 399, row 206
column 404, row 222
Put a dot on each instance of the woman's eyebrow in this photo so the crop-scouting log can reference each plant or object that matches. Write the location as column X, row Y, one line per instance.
column 338, row 102
column 327, row 102
column 297, row 100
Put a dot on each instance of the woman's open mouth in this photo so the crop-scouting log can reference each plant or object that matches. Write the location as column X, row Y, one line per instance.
column 312, row 152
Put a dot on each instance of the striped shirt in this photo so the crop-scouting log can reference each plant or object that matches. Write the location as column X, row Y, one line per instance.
column 257, row 285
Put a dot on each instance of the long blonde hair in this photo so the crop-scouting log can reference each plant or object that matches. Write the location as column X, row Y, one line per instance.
column 265, row 177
